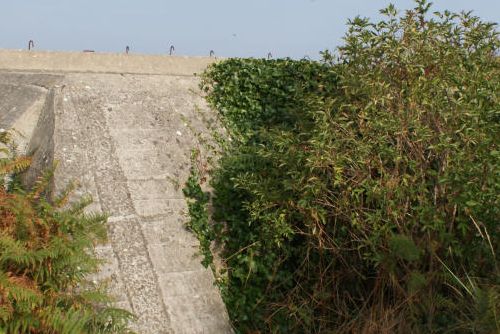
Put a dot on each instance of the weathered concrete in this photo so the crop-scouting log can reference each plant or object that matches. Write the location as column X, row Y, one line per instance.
column 102, row 63
column 22, row 98
column 125, row 138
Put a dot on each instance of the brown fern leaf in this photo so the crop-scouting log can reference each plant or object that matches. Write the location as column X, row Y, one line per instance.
column 15, row 166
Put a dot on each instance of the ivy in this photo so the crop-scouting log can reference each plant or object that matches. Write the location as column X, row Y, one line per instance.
column 198, row 212
column 360, row 193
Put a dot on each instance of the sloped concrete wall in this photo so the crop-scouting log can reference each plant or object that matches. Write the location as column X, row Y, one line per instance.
column 22, row 98
column 121, row 130
column 41, row 144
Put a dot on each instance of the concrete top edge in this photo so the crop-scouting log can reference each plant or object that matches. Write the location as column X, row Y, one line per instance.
column 93, row 62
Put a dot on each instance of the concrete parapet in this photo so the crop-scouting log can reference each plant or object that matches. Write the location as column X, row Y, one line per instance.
column 90, row 62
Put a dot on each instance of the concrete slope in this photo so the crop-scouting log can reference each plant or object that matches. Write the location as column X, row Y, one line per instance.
column 22, row 97
column 125, row 138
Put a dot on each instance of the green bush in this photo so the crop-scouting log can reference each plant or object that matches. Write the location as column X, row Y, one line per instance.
column 255, row 95
column 361, row 194
column 45, row 255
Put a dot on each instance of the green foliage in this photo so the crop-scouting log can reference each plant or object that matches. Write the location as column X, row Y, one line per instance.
column 45, row 255
column 256, row 94
column 198, row 212
column 360, row 194
column 404, row 248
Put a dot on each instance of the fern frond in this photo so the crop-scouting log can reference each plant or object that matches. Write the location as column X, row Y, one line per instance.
column 78, row 207
column 14, row 252
column 42, row 183
column 15, row 166
column 46, row 255
column 61, row 199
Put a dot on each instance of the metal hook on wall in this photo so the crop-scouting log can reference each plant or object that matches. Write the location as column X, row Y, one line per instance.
column 31, row 44
column 172, row 49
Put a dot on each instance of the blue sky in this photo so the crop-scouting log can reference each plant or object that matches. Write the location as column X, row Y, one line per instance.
column 242, row 28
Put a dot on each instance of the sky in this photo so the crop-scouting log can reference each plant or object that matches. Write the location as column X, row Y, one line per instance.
column 232, row 28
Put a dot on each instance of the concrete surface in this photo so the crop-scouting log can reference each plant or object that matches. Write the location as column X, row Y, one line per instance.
column 22, row 98
column 125, row 138
column 102, row 63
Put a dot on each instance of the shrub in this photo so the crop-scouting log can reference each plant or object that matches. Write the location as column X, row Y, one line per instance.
column 255, row 94
column 368, row 202
column 45, row 254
